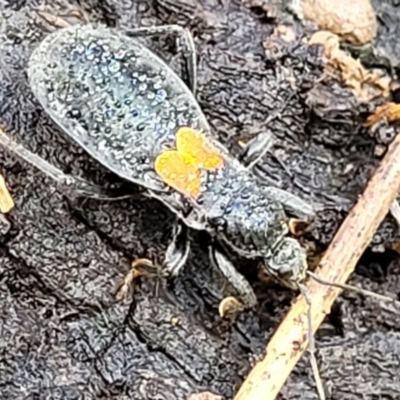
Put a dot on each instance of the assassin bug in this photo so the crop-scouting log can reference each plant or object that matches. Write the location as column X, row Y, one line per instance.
column 132, row 113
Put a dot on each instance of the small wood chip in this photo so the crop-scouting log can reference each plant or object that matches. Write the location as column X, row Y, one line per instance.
column 390, row 111
column 365, row 84
column 6, row 201
column 291, row 340
column 353, row 21
column 205, row 396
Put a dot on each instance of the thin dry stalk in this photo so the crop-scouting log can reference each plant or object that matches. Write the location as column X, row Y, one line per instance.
column 290, row 340
column 6, row 201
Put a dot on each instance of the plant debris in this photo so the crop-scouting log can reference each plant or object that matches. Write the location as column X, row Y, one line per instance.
column 204, row 396
column 6, row 201
column 338, row 263
column 389, row 111
column 354, row 22
column 366, row 85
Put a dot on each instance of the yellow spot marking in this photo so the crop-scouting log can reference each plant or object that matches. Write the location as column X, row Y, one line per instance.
column 196, row 149
column 175, row 172
column 181, row 168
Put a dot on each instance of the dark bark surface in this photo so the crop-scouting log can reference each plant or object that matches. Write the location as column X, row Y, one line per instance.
column 62, row 333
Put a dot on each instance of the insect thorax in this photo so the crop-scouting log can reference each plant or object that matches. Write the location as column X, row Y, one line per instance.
column 245, row 218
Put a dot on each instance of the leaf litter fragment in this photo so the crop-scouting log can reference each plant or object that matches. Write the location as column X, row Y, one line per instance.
column 6, row 200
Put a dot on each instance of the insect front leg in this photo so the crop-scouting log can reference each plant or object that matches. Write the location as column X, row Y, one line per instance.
column 77, row 186
column 292, row 204
column 178, row 250
column 246, row 294
column 256, row 148
column 185, row 44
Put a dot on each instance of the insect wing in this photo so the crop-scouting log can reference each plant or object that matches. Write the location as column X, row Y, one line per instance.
column 114, row 97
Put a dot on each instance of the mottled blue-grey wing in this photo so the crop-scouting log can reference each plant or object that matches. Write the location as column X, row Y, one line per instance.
column 114, row 97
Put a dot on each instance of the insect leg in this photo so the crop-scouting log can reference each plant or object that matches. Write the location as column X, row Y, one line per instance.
column 256, row 148
column 139, row 267
column 252, row 153
column 184, row 42
column 292, row 204
column 77, row 186
column 175, row 258
column 243, row 288
column 178, row 250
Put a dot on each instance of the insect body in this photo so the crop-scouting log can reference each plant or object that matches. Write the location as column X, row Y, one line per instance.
column 131, row 112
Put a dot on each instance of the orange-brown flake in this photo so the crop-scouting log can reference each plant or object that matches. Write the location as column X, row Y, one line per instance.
column 353, row 21
column 181, row 168
column 365, row 84
column 390, row 111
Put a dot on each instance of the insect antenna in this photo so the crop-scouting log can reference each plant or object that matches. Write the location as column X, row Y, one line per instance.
column 355, row 289
column 311, row 343
column 311, row 348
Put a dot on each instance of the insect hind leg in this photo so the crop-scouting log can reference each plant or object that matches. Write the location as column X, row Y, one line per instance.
column 75, row 185
column 175, row 258
column 185, row 44
column 139, row 267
